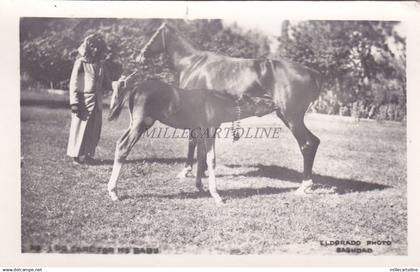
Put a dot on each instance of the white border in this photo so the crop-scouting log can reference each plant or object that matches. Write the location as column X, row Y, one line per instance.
column 11, row 11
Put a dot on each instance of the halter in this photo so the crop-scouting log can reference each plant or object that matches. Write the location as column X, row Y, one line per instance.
column 140, row 57
column 236, row 124
column 127, row 78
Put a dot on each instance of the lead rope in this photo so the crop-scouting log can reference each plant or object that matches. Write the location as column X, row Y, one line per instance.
column 236, row 125
column 140, row 57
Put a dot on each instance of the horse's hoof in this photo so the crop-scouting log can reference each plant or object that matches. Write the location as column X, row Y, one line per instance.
column 189, row 174
column 304, row 188
column 199, row 187
column 113, row 195
column 186, row 172
column 301, row 191
column 219, row 201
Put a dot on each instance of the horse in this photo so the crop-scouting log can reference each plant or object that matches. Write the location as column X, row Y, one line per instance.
column 291, row 86
column 200, row 111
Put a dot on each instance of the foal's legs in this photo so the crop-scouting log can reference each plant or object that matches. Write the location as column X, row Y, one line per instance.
column 211, row 164
column 308, row 144
column 207, row 154
column 123, row 148
column 187, row 171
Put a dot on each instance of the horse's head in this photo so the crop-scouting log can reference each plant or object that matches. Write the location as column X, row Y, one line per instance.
column 119, row 91
column 156, row 44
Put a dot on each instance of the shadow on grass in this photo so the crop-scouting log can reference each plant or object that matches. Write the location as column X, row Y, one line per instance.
column 342, row 186
column 148, row 160
column 231, row 193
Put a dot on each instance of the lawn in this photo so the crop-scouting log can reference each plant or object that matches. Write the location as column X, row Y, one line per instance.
column 361, row 193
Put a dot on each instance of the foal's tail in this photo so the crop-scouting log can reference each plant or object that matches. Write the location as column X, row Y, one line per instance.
column 115, row 111
column 127, row 90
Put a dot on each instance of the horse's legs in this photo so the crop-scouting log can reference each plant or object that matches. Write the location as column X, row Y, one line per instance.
column 201, row 161
column 187, row 171
column 308, row 144
column 123, row 148
column 192, row 143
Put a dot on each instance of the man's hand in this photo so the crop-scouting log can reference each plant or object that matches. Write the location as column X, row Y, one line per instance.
column 74, row 108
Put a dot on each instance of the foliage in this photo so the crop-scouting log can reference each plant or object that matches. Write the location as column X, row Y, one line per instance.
column 355, row 58
column 49, row 46
column 363, row 62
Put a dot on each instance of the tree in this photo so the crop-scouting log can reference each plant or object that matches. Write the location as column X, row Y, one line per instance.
column 353, row 56
column 48, row 46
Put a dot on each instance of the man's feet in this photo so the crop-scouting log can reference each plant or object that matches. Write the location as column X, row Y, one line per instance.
column 77, row 161
column 89, row 160
column 84, row 160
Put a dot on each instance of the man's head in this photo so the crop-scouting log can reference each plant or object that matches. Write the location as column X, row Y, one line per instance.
column 93, row 48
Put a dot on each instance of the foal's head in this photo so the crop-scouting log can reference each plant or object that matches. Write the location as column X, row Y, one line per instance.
column 256, row 106
column 119, row 91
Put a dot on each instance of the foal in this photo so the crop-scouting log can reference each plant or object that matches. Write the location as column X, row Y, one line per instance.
column 198, row 110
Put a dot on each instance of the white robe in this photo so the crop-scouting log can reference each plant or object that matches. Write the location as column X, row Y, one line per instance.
column 85, row 90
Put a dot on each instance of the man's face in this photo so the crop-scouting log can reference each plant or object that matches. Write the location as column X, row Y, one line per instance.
column 93, row 50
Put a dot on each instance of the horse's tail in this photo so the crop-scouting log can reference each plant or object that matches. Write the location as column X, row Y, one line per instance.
column 318, row 80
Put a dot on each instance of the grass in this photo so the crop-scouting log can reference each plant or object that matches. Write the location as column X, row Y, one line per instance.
column 361, row 194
